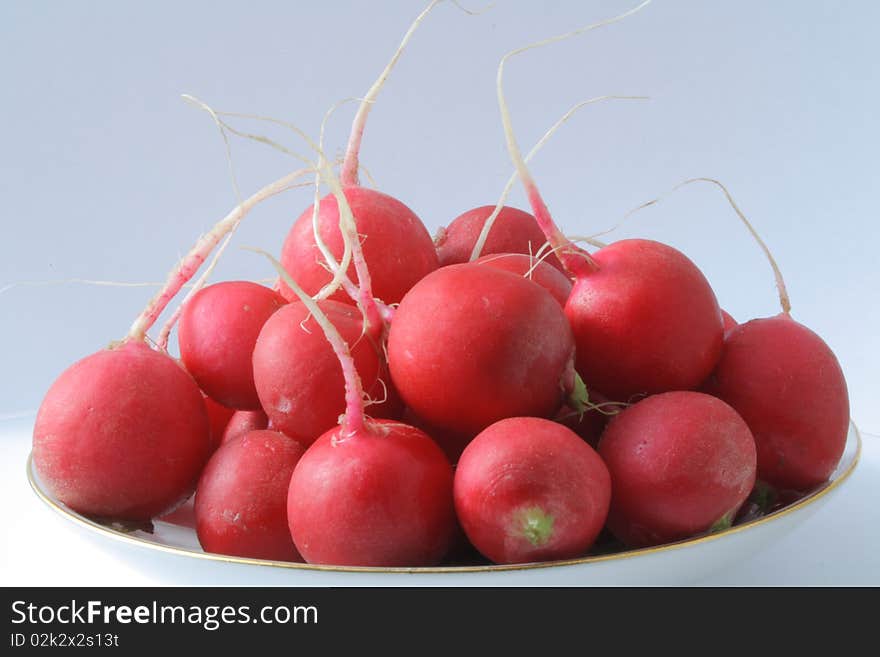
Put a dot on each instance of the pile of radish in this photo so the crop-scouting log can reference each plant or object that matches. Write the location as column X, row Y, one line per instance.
column 497, row 393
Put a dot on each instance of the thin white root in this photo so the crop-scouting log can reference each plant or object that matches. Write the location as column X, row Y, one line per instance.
column 165, row 332
column 337, row 280
column 784, row 300
column 589, row 239
column 352, row 252
column 480, row 244
column 572, row 258
column 332, row 265
column 182, row 273
column 349, row 173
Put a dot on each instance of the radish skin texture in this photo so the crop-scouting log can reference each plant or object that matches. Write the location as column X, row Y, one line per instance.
column 529, row 489
column 537, row 271
column 241, row 500
column 514, row 231
column 217, row 333
column 788, row 386
column 681, row 463
column 243, row 422
column 297, row 374
column 122, row 434
column 470, row 345
column 397, row 247
column 382, row 497
column 218, row 417
column 646, row 321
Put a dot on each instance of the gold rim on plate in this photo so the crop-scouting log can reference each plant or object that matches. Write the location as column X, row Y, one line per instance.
column 186, row 552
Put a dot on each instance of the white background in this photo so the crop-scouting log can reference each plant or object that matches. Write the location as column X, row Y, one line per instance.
column 106, row 174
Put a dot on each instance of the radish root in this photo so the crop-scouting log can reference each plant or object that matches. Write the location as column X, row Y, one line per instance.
column 575, row 260
column 338, row 277
column 165, row 332
column 480, row 244
column 784, row 300
column 184, row 271
column 349, row 173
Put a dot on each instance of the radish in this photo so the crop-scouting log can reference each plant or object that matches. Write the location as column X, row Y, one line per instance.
column 785, row 381
column 296, row 373
column 528, row 489
column 681, row 463
column 789, row 387
column 644, row 318
column 470, row 345
column 217, row 332
column 122, row 434
column 537, row 271
column 397, row 247
column 241, row 501
column 243, row 422
column 368, row 492
column 514, row 231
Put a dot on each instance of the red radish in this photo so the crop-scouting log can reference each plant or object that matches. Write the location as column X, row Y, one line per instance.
column 514, row 231
column 243, row 422
column 528, row 489
column 681, row 463
column 219, row 418
column 368, row 492
column 785, row 382
column 241, row 501
column 397, row 247
column 645, row 319
column 378, row 496
column 788, row 386
column 217, row 332
column 122, row 434
column 470, row 345
column 297, row 375
column 537, row 271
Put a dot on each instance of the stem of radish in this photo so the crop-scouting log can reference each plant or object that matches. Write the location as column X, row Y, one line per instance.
column 187, row 268
column 784, row 300
column 480, row 244
column 349, row 173
column 575, row 260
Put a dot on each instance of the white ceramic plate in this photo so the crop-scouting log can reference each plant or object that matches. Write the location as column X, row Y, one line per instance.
column 172, row 553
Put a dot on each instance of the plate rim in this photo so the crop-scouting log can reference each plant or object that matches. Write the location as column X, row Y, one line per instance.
column 117, row 535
